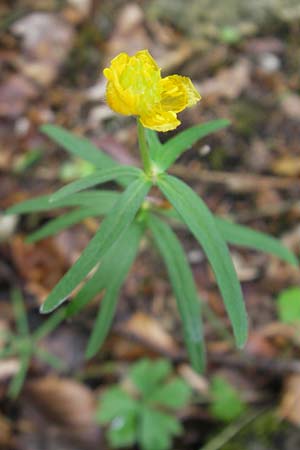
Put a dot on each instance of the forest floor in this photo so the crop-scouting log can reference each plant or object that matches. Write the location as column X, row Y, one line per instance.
column 246, row 67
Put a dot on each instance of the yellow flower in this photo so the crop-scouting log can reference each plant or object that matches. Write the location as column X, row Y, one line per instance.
column 135, row 87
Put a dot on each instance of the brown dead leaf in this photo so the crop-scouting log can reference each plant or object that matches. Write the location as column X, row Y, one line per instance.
column 8, row 368
column 290, row 403
column 287, row 165
column 290, row 105
column 196, row 381
column 64, row 402
column 15, row 93
column 41, row 264
column 46, row 42
column 228, row 83
column 129, row 34
column 147, row 330
column 5, row 433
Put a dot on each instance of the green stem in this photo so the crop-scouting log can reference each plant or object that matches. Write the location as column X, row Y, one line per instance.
column 144, row 151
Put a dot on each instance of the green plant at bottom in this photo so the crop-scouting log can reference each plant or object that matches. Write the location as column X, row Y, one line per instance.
column 226, row 404
column 144, row 413
column 25, row 345
column 288, row 305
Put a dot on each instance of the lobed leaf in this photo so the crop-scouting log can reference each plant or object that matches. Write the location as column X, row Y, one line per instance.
column 111, row 229
column 174, row 394
column 157, row 429
column 185, row 291
column 201, row 223
column 147, row 374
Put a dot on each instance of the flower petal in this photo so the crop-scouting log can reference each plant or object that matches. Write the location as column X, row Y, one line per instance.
column 178, row 93
column 118, row 101
column 160, row 120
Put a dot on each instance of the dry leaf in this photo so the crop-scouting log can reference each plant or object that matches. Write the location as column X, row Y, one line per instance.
column 46, row 41
column 15, row 92
column 228, row 83
column 63, row 401
column 290, row 403
column 148, row 330
column 287, row 165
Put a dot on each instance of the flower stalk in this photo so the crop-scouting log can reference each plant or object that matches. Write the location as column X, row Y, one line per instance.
column 144, row 150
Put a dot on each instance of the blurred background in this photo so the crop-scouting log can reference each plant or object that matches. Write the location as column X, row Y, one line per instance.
column 244, row 58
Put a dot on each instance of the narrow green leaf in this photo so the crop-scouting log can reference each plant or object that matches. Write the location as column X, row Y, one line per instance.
column 18, row 380
column 78, row 146
column 155, row 146
column 49, row 359
column 113, row 285
column 87, row 199
column 97, row 177
column 184, row 289
column 49, row 325
column 111, row 229
column 67, row 220
column 246, row 237
column 175, row 146
column 127, row 246
column 20, row 314
column 202, row 224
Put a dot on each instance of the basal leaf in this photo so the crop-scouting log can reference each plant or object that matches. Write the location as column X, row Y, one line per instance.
column 227, row 404
column 157, row 430
column 175, row 394
column 98, row 177
column 184, row 289
column 175, row 146
column 111, row 229
column 147, row 374
column 113, row 402
column 202, row 224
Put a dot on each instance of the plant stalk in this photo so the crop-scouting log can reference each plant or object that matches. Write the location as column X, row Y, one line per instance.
column 144, row 151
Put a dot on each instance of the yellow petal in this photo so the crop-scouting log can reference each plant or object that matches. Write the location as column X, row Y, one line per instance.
column 178, row 93
column 192, row 93
column 135, row 87
column 145, row 58
column 118, row 101
column 117, row 66
column 160, row 120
